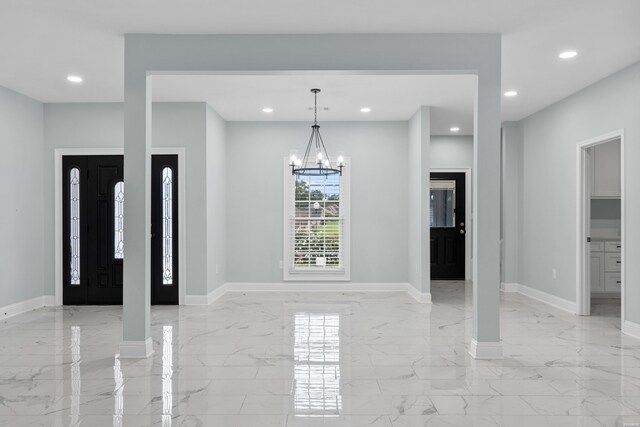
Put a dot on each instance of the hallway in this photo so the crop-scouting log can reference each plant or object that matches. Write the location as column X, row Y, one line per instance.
column 310, row 359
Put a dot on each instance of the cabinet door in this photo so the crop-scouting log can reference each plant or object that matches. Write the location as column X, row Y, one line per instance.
column 597, row 272
column 606, row 170
column 612, row 282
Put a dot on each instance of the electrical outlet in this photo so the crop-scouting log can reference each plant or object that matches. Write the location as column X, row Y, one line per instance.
column 554, row 273
column 281, row 265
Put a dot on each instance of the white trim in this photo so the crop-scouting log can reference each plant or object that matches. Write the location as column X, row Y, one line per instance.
column 468, row 213
column 552, row 300
column 136, row 349
column 583, row 285
column 117, row 151
column 21, row 307
column 48, row 300
column 631, row 328
column 343, row 274
column 510, row 287
column 213, row 296
column 485, row 350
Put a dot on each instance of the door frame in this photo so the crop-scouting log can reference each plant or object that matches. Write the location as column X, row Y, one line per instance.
column 583, row 252
column 58, row 217
column 468, row 197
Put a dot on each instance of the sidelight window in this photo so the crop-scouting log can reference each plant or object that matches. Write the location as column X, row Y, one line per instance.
column 74, row 234
column 118, row 215
column 167, row 226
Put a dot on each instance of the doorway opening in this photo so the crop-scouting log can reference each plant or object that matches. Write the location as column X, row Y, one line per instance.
column 601, row 223
column 92, row 200
column 450, row 227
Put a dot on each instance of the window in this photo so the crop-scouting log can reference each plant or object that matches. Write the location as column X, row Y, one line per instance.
column 443, row 203
column 74, row 234
column 167, row 226
column 118, row 215
column 316, row 227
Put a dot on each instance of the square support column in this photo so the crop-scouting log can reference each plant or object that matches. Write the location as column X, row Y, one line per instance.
column 137, row 341
column 485, row 342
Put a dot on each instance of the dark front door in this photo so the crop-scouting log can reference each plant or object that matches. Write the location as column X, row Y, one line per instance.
column 92, row 229
column 447, row 219
column 93, row 245
column 164, row 229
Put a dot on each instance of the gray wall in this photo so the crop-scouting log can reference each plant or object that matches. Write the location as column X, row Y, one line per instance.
column 216, row 197
column 256, row 152
column 451, row 151
column 100, row 125
column 184, row 125
column 512, row 202
column 21, row 225
column 549, row 222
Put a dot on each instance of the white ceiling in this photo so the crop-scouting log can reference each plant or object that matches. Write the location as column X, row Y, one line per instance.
column 42, row 41
column 241, row 98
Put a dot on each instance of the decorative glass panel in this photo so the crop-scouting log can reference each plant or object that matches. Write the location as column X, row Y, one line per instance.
column 118, row 215
column 167, row 226
column 74, row 229
column 317, row 223
column 443, row 203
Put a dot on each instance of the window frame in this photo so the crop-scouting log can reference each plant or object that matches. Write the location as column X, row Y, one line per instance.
column 343, row 274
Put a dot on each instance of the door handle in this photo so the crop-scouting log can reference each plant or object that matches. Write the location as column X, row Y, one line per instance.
column 461, row 231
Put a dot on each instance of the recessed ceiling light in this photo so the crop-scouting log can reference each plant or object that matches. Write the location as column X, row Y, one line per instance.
column 365, row 110
column 568, row 54
column 455, row 129
column 510, row 93
column 74, row 79
column 267, row 110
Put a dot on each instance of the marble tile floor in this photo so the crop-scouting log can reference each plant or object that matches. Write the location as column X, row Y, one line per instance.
column 320, row 359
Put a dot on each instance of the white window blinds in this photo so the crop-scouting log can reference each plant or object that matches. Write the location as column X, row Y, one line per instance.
column 316, row 238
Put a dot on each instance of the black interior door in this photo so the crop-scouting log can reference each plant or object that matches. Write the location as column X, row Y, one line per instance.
column 92, row 252
column 447, row 221
column 164, row 229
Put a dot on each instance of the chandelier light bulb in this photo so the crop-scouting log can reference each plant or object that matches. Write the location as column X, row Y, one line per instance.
column 340, row 161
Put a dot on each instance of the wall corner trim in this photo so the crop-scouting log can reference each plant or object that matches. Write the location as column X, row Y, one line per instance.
column 213, row 296
column 631, row 328
column 136, row 349
column 485, row 350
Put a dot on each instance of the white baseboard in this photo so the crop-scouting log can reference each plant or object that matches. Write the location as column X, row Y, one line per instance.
column 196, row 300
column 306, row 287
column 631, row 329
column 21, row 307
column 49, row 300
column 136, row 349
column 552, row 300
column 485, row 350
column 510, row 287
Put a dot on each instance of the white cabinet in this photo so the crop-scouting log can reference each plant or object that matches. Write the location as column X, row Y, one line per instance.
column 605, row 170
column 606, row 266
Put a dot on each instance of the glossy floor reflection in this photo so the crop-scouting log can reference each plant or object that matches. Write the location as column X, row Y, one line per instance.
column 307, row 359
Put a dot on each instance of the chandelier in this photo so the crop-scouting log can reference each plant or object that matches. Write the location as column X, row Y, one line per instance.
column 316, row 161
